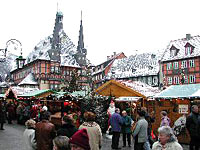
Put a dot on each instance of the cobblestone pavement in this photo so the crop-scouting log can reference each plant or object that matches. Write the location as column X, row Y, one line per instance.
column 12, row 139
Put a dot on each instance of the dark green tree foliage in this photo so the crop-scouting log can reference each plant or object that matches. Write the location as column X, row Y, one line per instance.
column 73, row 84
column 99, row 106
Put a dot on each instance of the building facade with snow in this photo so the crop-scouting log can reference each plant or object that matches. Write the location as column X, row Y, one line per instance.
column 52, row 61
column 142, row 67
column 100, row 71
column 181, row 60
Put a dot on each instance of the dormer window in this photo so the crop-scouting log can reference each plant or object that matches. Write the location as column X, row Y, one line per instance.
column 173, row 51
column 188, row 49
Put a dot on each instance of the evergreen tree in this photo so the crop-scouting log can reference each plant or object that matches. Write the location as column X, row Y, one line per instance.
column 99, row 106
column 72, row 85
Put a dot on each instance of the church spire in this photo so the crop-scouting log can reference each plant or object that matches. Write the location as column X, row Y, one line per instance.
column 80, row 41
column 81, row 51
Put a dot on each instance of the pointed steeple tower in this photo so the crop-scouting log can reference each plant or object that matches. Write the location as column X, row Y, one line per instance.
column 80, row 41
column 81, row 51
column 54, row 52
column 57, row 28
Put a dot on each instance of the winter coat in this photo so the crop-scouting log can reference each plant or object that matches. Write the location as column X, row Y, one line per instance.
column 45, row 133
column 66, row 130
column 94, row 133
column 193, row 125
column 11, row 111
column 169, row 146
column 116, row 122
column 126, row 126
column 29, row 138
column 2, row 114
column 165, row 121
column 141, row 130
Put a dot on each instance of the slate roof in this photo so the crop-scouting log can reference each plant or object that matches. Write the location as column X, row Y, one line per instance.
column 180, row 91
column 180, row 45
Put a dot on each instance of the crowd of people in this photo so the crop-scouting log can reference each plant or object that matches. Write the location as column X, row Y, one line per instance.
column 41, row 134
column 141, row 133
column 44, row 136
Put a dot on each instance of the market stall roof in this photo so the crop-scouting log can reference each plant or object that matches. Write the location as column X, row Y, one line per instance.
column 128, row 99
column 14, row 91
column 36, row 93
column 78, row 93
column 59, row 95
column 2, row 95
column 180, row 91
column 120, row 88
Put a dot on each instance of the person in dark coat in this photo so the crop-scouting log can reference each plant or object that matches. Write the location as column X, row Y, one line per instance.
column 193, row 126
column 150, row 119
column 11, row 112
column 67, row 128
column 2, row 115
column 116, row 122
column 45, row 133
column 126, row 128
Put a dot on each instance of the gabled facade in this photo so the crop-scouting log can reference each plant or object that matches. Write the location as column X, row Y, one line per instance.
column 180, row 63
column 48, row 74
column 101, row 71
column 52, row 62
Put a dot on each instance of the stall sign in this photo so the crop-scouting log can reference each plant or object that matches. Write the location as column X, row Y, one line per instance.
column 183, row 109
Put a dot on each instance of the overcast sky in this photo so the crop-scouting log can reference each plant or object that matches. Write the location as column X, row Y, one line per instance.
column 108, row 25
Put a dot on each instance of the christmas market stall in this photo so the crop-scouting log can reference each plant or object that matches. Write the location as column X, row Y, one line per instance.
column 60, row 104
column 128, row 94
column 12, row 94
column 36, row 95
column 177, row 100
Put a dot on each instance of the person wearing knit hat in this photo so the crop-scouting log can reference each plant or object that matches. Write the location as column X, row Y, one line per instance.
column 80, row 140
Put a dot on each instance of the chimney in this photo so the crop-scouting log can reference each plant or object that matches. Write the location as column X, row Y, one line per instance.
column 188, row 36
column 114, row 53
column 108, row 57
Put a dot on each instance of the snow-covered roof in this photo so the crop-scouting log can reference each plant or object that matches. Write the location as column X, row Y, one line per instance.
column 180, row 45
column 180, row 91
column 29, row 80
column 135, row 65
column 20, row 90
column 108, row 62
column 4, row 84
column 67, row 50
column 140, row 87
column 36, row 93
